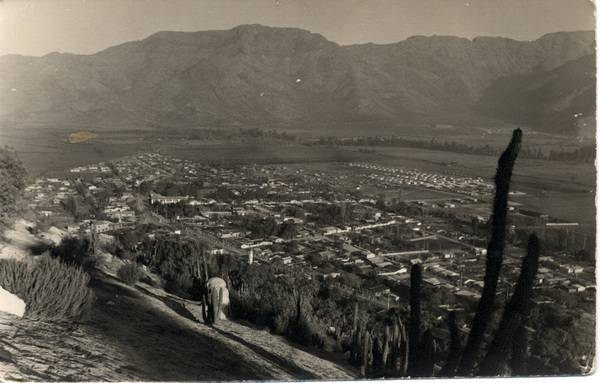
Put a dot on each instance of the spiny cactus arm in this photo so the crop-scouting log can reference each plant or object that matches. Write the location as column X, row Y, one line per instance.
column 428, row 356
column 355, row 337
column 506, row 164
column 454, row 349
column 512, row 318
column 205, row 268
column 365, row 355
column 403, row 350
column 370, row 354
column 385, row 352
column 415, row 320
column 494, row 255
column 377, row 352
column 519, row 351
column 355, row 317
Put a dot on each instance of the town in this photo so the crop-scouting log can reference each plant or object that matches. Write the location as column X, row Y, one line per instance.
column 296, row 215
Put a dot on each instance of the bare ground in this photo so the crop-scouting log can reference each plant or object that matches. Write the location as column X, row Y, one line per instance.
column 143, row 333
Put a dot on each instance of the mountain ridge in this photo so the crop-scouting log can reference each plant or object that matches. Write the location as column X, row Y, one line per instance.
column 264, row 76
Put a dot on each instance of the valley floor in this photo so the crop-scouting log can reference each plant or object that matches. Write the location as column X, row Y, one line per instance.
column 143, row 333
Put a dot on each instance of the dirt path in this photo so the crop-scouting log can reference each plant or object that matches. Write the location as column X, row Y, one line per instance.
column 143, row 333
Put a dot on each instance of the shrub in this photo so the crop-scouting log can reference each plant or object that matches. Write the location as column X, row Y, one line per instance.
column 179, row 284
column 130, row 273
column 13, row 177
column 51, row 290
column 74, row 252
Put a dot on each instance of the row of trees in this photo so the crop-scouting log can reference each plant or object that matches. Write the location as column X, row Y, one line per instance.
column 255, row 132
column 584, row 154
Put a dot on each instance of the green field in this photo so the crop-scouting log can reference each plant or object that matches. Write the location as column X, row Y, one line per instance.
column 256, row 152
column 48, row 151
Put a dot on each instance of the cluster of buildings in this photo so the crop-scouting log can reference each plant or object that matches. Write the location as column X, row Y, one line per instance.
column 354, row 249
column 391, row 177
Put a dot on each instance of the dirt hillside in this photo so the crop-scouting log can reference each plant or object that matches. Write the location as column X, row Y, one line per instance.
column 143, row 333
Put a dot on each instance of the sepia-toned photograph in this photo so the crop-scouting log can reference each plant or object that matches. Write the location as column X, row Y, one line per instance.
column 297, row 190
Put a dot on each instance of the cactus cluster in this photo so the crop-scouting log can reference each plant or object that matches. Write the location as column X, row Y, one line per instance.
column 394, row 354
column 380, row 356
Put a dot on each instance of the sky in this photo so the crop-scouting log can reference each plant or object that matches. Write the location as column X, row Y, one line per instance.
column 38, row 27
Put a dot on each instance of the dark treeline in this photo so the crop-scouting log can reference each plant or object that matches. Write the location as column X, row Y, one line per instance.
column 585, row 154
column 240, row 133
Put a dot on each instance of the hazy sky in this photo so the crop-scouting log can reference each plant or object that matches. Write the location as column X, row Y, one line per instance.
column 37, row 27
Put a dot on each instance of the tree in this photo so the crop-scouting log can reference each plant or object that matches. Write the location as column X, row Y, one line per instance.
column 12, row 182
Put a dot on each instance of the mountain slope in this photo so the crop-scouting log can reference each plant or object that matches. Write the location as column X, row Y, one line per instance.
column 546, row 100
column 279, row 76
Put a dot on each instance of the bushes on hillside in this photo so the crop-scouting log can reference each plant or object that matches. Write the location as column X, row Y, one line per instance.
column 51, row 289
column 173, row 259
column 74, row 251
column 130, row 273
column 13, row 177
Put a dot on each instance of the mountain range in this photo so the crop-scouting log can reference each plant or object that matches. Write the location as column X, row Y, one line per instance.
column 253, row 75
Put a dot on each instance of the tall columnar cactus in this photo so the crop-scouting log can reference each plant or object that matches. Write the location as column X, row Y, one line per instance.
column 367, row 355
column 519, row 352
column 377, row 352
column 399, row 355
column 513, row 314
column 355, row 338
column 385, row 351
column 414, row 338
column 398, row 359
column 495, row 252
column 454, row 349
column 403, row 351
column 428, row 350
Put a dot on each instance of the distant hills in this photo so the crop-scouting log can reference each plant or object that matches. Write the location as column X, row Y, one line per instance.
column 261, row 76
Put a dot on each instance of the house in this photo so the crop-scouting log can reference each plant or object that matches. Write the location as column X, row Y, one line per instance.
column 230, row 233
column 106, row 239
column 392, row 270
column 327, row 254
column 327, row 273
column 380, row 290
column 329, row 230
column 119, row 214
column 579, row 288
column 379, row 262
column 157, row 198
column 102, row 226
column 432, row 281
column 467, row 293
column 73, row 228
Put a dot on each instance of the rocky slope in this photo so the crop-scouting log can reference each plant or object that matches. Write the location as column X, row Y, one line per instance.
column 257, row 75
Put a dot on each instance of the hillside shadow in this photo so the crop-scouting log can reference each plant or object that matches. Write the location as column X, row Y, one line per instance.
column 177, row 307
column 156, row 345
column 284, row 364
